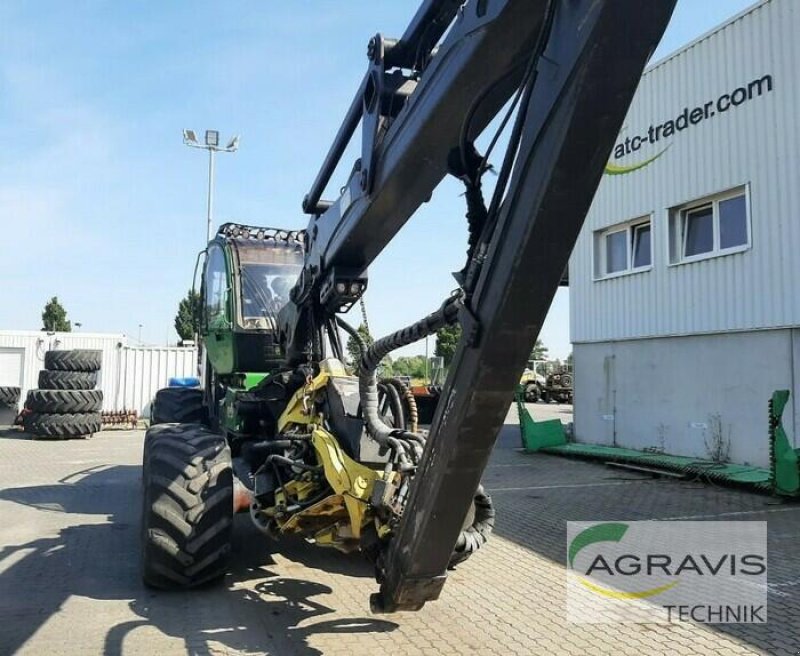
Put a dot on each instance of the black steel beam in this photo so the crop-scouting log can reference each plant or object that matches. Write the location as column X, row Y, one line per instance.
column 587, row 77
column 481, row 57
column 311, row 202
column 423, row 32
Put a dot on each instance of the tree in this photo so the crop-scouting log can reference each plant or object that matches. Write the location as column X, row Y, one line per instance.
column 447, row 341
column 54, row 317
column 411, row 366
column 187, row 321
column 569, row 360
column 353, row 351
column 539, row 351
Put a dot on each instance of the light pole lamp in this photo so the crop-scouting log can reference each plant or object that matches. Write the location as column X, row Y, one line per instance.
column 212, row 146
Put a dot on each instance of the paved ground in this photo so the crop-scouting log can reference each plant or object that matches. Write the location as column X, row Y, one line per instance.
column 69, row 580
column 541, row 411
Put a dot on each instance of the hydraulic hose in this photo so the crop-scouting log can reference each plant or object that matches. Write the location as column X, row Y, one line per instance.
column 392, row 395
column 411, row 403
column 407, row 445
column 371, row 358
column 477, row 533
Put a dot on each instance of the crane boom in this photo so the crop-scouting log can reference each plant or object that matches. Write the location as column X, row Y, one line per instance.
column 572, row 66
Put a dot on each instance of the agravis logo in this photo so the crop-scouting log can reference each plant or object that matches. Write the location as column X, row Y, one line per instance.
column 607, row 532
column 666, row 571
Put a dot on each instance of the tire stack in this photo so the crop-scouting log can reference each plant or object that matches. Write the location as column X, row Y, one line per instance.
column 9, row 405
column 66, row 403
column 9, row 396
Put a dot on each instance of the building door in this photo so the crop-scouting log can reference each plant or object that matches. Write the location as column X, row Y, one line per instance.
column 11, row 366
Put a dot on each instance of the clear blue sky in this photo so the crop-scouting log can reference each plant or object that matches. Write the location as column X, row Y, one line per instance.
column 102, row 205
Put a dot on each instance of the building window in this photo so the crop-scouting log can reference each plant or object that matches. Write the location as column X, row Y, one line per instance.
column 616, row 252
column 642, row 251
column 623, row 248
column 712, row 226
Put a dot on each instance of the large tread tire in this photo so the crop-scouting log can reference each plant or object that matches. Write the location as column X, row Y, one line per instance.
column 182, row 405
column 532, row 393
column 9, row 396
column 73, row 360
column 64, row 401
column 63, row 425
column 67, row 380
column 479, row 525
column 187, row 506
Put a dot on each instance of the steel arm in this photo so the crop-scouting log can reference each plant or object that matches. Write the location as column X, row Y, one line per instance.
column 482, row 57
column 587, row 78
column 587, row 75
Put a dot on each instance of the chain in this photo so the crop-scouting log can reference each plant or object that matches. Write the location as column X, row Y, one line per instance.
column 364, row 314
column 310, row 363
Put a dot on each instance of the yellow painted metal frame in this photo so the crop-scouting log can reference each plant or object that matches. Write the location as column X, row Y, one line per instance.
column 298, row 410
column 351, row 481
column 348, row 478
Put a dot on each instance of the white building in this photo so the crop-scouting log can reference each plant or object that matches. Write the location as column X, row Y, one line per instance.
column 685, row 314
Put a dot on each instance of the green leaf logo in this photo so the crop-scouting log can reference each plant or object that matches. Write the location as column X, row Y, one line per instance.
column 614, row 169
column 608, row 532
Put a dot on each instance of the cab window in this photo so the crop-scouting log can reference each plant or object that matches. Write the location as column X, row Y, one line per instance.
column 216, row 285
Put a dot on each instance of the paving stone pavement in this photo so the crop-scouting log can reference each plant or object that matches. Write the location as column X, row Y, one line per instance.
column 69, row 577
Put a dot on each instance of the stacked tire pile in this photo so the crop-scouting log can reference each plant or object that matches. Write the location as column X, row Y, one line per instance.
column 9, row 397
column 66, row 403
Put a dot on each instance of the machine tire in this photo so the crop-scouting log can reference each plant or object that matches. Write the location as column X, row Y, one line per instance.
column 73, row 360
column 187, row 506
column 478, row 527
column 182, row 405
column 532, row 393
column 566, row 380
column 64, row 401
column 67, row 380
column 9, row 396
column 62, row 425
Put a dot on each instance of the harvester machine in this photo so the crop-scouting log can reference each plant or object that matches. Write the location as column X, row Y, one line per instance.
column 281, row 430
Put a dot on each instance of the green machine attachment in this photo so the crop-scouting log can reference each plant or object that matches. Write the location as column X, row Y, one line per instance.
column 783, row 459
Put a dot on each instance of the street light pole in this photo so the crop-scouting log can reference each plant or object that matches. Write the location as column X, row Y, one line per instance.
column 212, row 146
column 209, row 228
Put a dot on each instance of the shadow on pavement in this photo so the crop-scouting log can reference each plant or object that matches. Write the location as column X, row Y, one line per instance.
column 536, row 495
column 13, row 433
column 100, row 561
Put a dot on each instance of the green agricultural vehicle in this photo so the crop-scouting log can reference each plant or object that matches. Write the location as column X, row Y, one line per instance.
column 280, row 429
column 286, row 444
column 246, row 280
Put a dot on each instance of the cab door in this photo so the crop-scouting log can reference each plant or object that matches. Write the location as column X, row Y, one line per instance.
column 217, row 311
